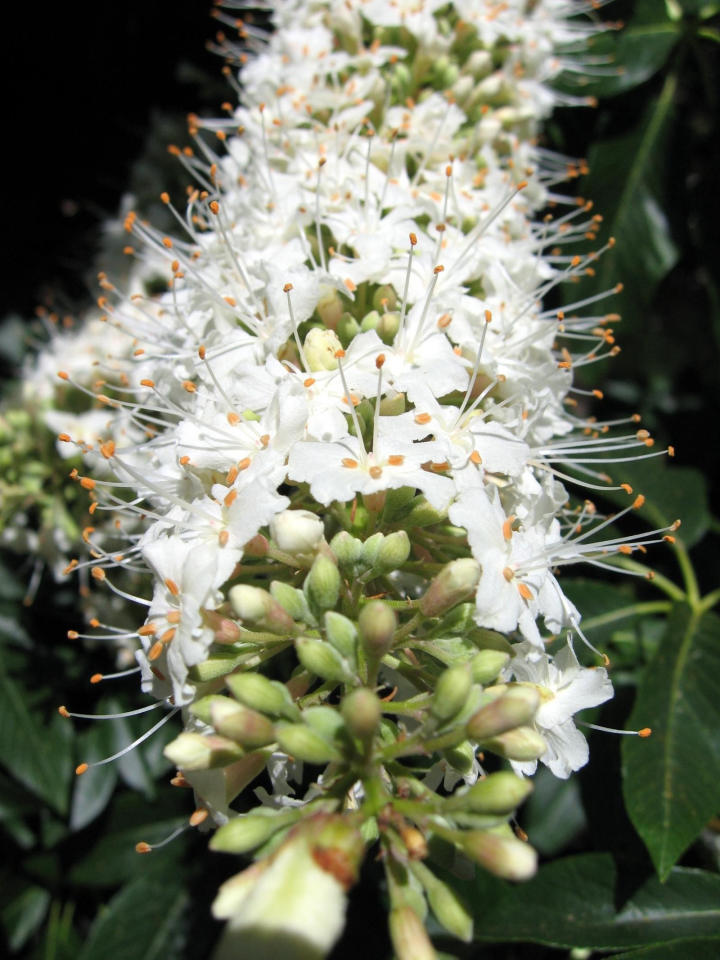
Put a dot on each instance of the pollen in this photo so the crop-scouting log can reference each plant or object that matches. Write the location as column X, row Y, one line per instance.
column 143, row 847
column 81, row 768
column 349, row 463
column 524, row 591
column 172, row 587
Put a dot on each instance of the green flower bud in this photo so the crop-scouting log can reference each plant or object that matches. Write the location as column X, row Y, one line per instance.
column 394, row 551
column 361, row 709
column 460, row 757
column 321, row 659
column 347, row 328
column 370, row 321
column 392, row 404
column 322, row 584
column 423, row 515
column 256, row 606
column 398, row 503
column 486, row 665
column 198, row 751
column 293, row 601
column 266, row 696
column 377, row 624
column 385, row 297
column 452, row 689
column 514, row 708
column 250, row 830
column 239, row 723
column 504, row 856
column 388, row 326
column 320, row 349
column 201, row 708
column 522, row 744
column 219, row 663
column 370, row 549
column 450, row 911
column 325, row 720
column 348, row 550
column 500, row 793
column 455, row 582
column 479, row 64
column 329, row 307
column 305, row 744
column 409, row 936
column 342, row 634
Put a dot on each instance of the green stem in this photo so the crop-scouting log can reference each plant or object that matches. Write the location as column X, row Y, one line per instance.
column 691, row 584
column 633, row 610
column 669, row 588
column 708, row 601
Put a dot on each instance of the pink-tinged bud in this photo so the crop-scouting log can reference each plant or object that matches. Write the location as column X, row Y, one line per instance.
column 455, row 582
column 377, row 623
column 297, row 532
column 503, row 855
column 257, row 547
column 247, row 727
column 409, row 936
column 514, row 708
column 257, row 607
column 499, row 794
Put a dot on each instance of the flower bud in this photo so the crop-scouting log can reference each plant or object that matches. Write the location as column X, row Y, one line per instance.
column 266, row 696
column 250, row 830
column 522, row 744
column 329, row 307
column 392, row 404
column 423, row 515
column 393, row 552
column 297, row 532
column 377, row 623
column 347, row 328
column 293, row 601
column 305, row 744
column 455, row 582
column 348, row 550
column 245, row 726
column 370, row 321
column 322, row 659
column 361, row 709
column 486, row 665
column 452, row 689
column 320, row 349
column 451, row 913
column 515, row 707
column 409, row 937
column 500, row 793
column 322, row 584
column 256, row 606
column 388, row 326
column 197, row 751
column 342, row 634
column 504, row 856
column 371, row 548
column 460, row 757
column 398, row 503
column 385, row 297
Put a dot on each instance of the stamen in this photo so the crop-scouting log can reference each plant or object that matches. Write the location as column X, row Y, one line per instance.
column 83, row 767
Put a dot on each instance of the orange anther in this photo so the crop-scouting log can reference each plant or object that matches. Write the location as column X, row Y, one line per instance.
column 172, row 587
column 147, row 383
column 189, row 386
column 309, row 382
column 396, row 460
column 147, row 630
column 244, row 463
column 287, row 288
column 107, row 449
column 81, row 768
column 223, row 537
column 638, row 501
column 96, row 678
column 155, row 650
column 198, row 817
column 645, row 732
column 214, row 207
column 63, row 711
column 423, row 418
column 233, row 418
column 507, row 527
column 349, row 463
column 98, row 573
column 379, row 360
column 63, row 375
column 65, row 437
column 167, row 242
column 143, row 847
column 524, row 591
column 165, row 197
column 230, row 498
column 375, row 472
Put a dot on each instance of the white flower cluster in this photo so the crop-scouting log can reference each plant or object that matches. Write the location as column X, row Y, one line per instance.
column 356, row 307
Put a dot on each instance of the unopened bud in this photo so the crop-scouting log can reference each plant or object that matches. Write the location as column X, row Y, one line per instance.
column 515, row 707
column 398, row 503
column 394, row 551
column 370, row 321
column 321, row 659
column 348, row 550
column 500, row 793
column 388, row 326
column 329, row 307
column 322, row 584
column 197, row 751
column 342, row 634
column 250, row 830
column 455, row 582
column 257, row 606
column 392, row 404
column 361, row 710
column 486, row 665
column 377, row 623
column 347, row 328
column 504, row 856
column 259, row 693
column 460, row 757
column 320, row 349
column 302, row 743
column 385, row 297
column 451, row 692
column 409, row 936
column 371, row 548
column 444, row 903
column 297, row 532
column 522, row 744
column 239, row 723
column 293, row 601
column 424, row 515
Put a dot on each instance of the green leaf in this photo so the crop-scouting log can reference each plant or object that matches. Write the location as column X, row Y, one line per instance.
column 571, row 903
column 671, row 779
column 142, row 922
column 675, row 950
column 23, row 915
column 553, row 816
column 627, row 183
column 39, row 757
column 92, row 792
